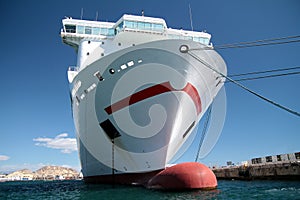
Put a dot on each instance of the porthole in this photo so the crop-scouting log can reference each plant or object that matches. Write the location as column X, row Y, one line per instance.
column 112, row 71
column 184, row 48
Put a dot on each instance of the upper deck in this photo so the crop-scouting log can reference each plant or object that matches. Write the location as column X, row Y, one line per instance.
column 75, row 30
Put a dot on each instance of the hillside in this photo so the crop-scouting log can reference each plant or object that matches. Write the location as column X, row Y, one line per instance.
column 44, row 173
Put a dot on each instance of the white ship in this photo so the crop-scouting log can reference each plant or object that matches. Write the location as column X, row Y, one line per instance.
column 137, row 94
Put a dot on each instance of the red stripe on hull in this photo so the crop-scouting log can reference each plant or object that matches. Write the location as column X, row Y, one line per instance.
column 153, row 91
column 193, row 93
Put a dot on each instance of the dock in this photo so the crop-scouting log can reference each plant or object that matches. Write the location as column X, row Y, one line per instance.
column 277, row 171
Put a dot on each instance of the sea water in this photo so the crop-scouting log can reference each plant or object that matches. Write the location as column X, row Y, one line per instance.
column 80, row 190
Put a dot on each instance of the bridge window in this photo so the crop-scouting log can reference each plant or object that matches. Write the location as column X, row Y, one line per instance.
column 70, row 28
column 121, row 25
column 88, row 30
column 201, row 40
column 119, row 28
column 80, row 29
column 111, row 32
column 129, row 24
column 147, row 26
column 157, row 27
column 95, row 31
column 103, row 31
column 206, row 40
column 142, row 26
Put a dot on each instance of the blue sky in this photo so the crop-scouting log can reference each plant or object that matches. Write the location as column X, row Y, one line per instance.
column 36, row 126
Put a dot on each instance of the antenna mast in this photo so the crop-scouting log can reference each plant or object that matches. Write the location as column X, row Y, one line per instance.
column 191, row 20
column 81, row 13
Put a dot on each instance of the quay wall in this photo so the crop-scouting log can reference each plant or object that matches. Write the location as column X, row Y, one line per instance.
column 287, row 171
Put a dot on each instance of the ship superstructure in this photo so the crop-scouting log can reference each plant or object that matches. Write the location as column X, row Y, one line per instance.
column 129, row 30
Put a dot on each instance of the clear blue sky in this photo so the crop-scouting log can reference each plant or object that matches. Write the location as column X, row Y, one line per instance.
column 36, row 123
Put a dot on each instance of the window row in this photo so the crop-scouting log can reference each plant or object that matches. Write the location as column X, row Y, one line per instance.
column 140, row 26
column 89, row 30
column 196, row 39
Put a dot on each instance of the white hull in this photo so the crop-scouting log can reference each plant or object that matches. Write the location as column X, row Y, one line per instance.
column 153, row 100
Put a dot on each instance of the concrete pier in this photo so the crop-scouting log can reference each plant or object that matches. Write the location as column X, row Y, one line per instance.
column 272, row 171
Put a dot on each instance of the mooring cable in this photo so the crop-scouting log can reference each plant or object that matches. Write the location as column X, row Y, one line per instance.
column 185, row 49
column 265, row 41
column 266, row 76
column 204, row 131
column 256, row 43
column 264, row 72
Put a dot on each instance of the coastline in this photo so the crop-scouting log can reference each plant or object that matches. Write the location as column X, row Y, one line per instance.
column 46, row 173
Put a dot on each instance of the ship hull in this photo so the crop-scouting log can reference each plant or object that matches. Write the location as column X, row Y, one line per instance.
column 183, row 176
column 135, row 108
column 136, row 179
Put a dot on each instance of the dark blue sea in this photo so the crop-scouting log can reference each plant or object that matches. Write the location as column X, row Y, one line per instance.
column 80, row 190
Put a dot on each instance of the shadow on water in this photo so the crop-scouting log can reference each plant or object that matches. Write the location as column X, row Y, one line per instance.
column 187, row 195
column 225, row 190
column 136, row 192
column 80, row 190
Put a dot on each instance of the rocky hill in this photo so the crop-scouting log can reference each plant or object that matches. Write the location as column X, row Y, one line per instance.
column 49, row 172
column 45, row 173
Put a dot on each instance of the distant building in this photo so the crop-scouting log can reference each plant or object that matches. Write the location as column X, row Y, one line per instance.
column 45, row 173
column 290, row 157
column 21, row 175
column 3, row 178
column 229, row 163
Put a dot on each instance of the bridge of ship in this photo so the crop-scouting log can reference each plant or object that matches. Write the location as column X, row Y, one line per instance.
column 148, row 25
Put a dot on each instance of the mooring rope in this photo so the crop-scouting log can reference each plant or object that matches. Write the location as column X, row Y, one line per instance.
column 204, row 131
column 185, row 49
